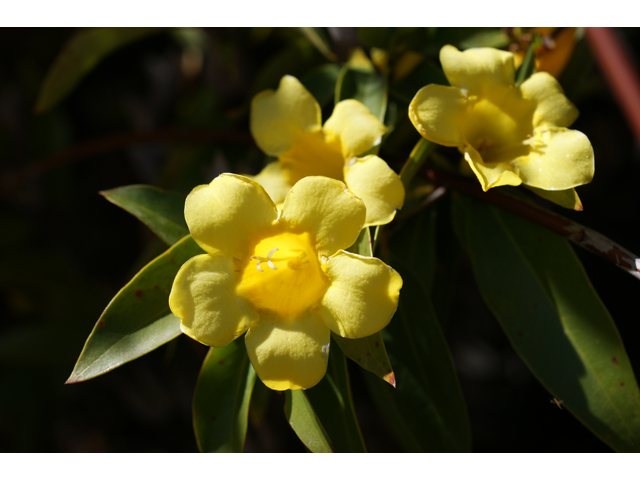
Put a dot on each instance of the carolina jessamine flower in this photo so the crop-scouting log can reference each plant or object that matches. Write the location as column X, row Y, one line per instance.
column 508, row 135
column 286, row 123
column 282, row 278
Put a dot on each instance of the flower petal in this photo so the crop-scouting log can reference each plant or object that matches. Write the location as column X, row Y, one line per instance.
column 379, row 187
column 222, row 215
column 565, row 198
column 203, row 297
column 326, row 209
column 478, row 70
column 279, row 117
column 561, row 159
column 274, row 178
column 553, row 108
column 354, row 127
column 437, row 112
column 490, row 175
column 362, row 297
column 289, row 354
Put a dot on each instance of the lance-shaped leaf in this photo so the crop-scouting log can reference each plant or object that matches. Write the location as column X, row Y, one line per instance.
column 138, row 319
column 333, row 404
column 536, row 287
column 221, row 399
column 305, row 422
column 160, row 210
column 426, row 412
column 80, row 55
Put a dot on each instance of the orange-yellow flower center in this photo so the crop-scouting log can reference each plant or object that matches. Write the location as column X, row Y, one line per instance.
column 312, row 155
column 283, row 275
column 498, row 130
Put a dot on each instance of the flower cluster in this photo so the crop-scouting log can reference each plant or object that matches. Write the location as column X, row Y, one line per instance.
column 275, row 266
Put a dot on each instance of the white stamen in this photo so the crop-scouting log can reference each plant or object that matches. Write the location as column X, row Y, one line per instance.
column 271, row 265
column 271, row 252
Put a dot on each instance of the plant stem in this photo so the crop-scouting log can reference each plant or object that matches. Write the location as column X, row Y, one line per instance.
column 580, row 235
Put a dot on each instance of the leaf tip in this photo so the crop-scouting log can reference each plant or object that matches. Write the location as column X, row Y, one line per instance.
column 390, row 378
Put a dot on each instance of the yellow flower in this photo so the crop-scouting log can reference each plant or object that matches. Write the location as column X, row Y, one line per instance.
column 508, row 135
column 286, row 123
column 282, row 278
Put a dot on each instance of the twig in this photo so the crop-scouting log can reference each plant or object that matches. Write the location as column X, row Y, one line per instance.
column 580, row 235
column 13, row 181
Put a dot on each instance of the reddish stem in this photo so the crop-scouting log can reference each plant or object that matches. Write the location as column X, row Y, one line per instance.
column 620, row 71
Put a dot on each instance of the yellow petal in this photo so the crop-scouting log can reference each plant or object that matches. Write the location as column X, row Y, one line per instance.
column 478, row 70
column 565, row 198
column 560, row 159
column 437, row 112
column 491, row 175
column 203, row 297
column 379, row 187
column 222, row 215
column 362, row 297
column 354, row 127
column 275, row 179
column 326, row 209
column 553, row 108
column 289, row 354
column 279, row 117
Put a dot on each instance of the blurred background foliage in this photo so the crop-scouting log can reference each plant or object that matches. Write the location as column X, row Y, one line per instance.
column 169, row 107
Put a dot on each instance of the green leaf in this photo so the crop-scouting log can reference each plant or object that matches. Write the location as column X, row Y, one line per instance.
column 221, row 399
column 334, row 405
column 305, row 422
column 536, row 287
column 528, row 66
column 426, row 412
column 138, row 319
column 160, row 210
column 321, row 82
column 80, row 55
column 319, row 39
column 370, row 353
column 370, row 88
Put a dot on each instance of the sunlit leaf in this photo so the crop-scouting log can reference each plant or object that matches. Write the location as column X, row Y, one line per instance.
column 536, row 287
column 305, row 423
column 138, row 319
column 160, row 210
column 333, row 404
column 81, row 54
column 221, row 399
column 426, row 412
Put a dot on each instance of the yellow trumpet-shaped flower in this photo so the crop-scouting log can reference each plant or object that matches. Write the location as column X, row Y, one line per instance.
column 508, row 135
column 282, row 278
column 286, row 123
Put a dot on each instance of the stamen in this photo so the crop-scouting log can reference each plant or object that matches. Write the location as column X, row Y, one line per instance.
column 268, row 260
